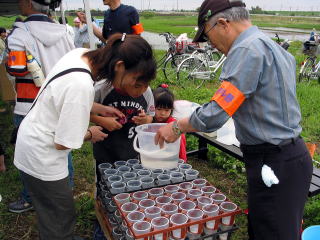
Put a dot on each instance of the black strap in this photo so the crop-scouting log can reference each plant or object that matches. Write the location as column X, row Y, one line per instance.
column 70, row 70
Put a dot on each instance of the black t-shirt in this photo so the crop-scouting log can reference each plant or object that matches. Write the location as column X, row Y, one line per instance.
column 120, row 20
column 119, row 143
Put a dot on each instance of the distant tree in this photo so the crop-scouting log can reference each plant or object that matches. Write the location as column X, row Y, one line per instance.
column 197, row 9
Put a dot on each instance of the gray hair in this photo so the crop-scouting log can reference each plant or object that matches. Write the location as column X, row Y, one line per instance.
column 40, row 8
column 235, row 14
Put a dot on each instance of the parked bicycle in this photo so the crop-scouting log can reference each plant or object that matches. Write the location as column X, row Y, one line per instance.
column 177, row 51
column 201, row 66
column 310, row 68
column 284, row 44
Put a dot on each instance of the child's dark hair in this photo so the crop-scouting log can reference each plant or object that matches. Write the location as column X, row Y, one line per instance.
column 133, row 50
column 163, row 97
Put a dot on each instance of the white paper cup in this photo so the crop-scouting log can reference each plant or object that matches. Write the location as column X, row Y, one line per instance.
column 211, row 210
column 224, row 236
column 109, row 172
column 218, row 198
column 227, row 207
column 118, row 187
column 144, row 173
column 137, row 196
column 136, row 168
column 208, row 190
column 162, row 200
column 104, row 166
column 186, row 205
column 156, row 172
column 145, row 203
column 203, row 200
column 178, row 219
column 113, row 178
column 123, row 169
column 184, row 167
column 152, row 212
column 176, row 177
column 129, row 207
column 160, row 223
column 171, row 188
column 163, row 179
column 132, row 162
column 178, row 197
column 185, row 186
column 195, row 215
column 133, row 185
column 194, row 193
column 155, row 192
column 118, row 164
column 191, row 174
column 169, row 209
column 147, row 182
column 199, row 183
column 129, row 176
column 122, row 198
column 141, row 227
column 116, row 233
column 135, row 216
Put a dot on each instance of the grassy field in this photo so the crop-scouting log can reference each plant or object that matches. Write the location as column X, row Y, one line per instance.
column 181, row 24
column 222, row 170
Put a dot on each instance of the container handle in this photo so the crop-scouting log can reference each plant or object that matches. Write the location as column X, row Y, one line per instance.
column 139, row 150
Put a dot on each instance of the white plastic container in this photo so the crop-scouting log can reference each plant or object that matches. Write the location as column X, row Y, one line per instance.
column 152, row 157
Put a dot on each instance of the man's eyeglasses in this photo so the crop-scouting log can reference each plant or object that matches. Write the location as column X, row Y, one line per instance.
column 205, row 36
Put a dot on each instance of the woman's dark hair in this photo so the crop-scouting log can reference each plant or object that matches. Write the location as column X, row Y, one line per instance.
column 133, row 50
column 2, row 30
column 18, row 19
column 163, row 97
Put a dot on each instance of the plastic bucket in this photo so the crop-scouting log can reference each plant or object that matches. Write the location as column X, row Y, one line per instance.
column 311, row 233
column 152, row 157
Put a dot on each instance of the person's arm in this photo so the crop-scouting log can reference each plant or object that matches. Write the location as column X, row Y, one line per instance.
column 96, row 30
column 109, row 123
column 106, row 111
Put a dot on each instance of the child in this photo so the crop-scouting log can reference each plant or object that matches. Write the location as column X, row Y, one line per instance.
column 130, row 74
column 164, row 99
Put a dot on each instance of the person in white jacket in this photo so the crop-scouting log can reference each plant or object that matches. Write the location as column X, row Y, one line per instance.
column 47, row 42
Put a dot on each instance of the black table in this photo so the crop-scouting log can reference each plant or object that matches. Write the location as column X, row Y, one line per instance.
column 234, row 151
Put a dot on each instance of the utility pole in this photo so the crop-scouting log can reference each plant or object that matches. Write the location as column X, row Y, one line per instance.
column 177, row 5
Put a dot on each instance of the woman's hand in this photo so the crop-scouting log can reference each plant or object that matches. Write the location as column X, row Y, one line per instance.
column 142, row 118
column 82, row 17
column 106, row 111
column 97, row 134
column 109, row 123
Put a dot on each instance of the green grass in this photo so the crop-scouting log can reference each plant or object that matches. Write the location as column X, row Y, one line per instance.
column 182, row 24
column 222, row 170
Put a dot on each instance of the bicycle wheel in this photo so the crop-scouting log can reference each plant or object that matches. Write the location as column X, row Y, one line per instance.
column 170, row 67
column 192, row 72
column 306, row 70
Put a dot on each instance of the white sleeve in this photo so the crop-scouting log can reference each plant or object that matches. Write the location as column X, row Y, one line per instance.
column 148, row 95
column 75, row 115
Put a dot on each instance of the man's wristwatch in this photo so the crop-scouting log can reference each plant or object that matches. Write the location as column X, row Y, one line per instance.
column 176, row 129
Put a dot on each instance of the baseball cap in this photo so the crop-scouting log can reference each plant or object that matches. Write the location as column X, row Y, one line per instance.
column 51, row 3
column 210, row 8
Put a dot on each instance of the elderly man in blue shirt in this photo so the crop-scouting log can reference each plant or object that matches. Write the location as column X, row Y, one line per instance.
column 258, row 91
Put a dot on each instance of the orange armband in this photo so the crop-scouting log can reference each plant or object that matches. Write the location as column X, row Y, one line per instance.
column 17, row 63
column 137, row 29
column 228, row 97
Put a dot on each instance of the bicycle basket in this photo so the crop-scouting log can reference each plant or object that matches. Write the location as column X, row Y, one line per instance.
column 310, row 48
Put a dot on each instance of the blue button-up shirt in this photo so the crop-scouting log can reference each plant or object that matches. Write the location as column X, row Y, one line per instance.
column 266, row 75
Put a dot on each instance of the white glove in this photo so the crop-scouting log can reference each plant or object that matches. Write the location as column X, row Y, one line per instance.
column 268, row 176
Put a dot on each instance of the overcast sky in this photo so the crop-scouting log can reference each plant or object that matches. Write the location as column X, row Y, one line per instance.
column 294, row 5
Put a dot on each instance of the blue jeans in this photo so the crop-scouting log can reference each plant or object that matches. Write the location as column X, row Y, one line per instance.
column 17, row 119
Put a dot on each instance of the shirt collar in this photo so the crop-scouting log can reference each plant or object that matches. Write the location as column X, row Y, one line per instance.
column 244, row 35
